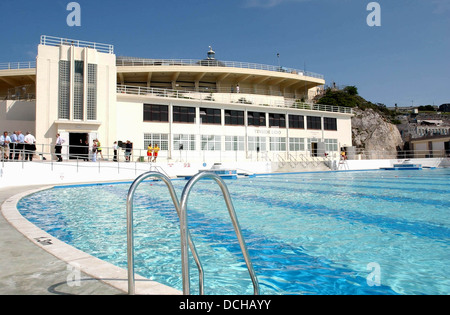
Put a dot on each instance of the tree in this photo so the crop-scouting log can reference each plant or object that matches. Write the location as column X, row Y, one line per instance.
column 426, row 108
column 351, row 90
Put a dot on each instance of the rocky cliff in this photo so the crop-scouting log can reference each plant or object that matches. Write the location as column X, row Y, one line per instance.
column 374, row 134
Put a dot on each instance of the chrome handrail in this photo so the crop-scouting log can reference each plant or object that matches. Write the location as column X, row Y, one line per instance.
column 185, row 231
column 130, row 236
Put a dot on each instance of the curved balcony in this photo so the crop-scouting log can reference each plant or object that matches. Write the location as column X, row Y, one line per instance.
column 235, row 98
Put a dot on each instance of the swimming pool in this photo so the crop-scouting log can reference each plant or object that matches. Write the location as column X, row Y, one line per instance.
column 309, row 233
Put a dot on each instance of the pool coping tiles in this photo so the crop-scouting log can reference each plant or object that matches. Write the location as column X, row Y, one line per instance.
column 101, row 270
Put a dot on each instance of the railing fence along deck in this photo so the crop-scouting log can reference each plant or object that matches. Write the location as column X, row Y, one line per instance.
column 229, row 98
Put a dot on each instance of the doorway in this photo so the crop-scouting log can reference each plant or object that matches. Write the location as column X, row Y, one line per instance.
column 79, row 146
column 314, row 149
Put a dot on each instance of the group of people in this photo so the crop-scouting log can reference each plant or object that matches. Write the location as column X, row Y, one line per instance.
column 17, row 146
column 82, row 149
column 152, row 152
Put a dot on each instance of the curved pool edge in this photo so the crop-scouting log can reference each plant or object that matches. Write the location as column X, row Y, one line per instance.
column 98, row 269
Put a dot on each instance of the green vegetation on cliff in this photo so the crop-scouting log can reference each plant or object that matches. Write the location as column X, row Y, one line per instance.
column 348, row 97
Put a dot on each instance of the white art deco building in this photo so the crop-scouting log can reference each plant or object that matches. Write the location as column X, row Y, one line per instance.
column 195, row 110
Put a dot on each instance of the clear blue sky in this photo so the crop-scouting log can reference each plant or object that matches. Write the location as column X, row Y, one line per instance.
column 405, row 61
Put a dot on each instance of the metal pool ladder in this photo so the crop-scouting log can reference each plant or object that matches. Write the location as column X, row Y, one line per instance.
column 130, row 229
column 186, row 239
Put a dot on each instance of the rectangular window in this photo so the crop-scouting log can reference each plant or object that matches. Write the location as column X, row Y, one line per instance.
column 277, row 120
column 296, row 122
column 234, row 143
column 158, row 113
column 92, row 92
column 331, row 145
column 184, row 142
column 183, row 114
column 64, row 90
column 330, row 123
column 277, row 144
column 256, row 119
column 234, row 118
column 211, row 116
column 78, row 90
column 162, row 140
column 296, row 144
column 211, row 143
column 314, row 122
column 257, row 144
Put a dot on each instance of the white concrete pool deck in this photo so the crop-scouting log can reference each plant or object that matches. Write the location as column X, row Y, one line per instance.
column 35, row 263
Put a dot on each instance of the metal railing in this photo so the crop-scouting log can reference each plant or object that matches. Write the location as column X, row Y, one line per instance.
column 18, row 65
column 185, row 231
column 45, row 153
column 130, row 228
column 58, row 41
column 236, row 98
column 137, row 62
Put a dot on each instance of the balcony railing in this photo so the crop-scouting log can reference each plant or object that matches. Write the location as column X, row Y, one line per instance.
column 235, row 98
column 57, row 41
column 18, row 65
column 135, row 62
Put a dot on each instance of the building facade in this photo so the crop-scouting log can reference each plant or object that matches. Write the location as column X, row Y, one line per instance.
column 194, row 110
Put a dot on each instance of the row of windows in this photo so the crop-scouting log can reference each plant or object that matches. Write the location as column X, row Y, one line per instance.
column 160, row 113
column 183, row 142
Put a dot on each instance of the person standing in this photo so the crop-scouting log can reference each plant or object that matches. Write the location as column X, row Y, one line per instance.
column 30, row 146
column 85, row 150
column 128, row 149
column 94, row 150
column 115, row 148
column 12, row 146
column 5, row 141
column 155, row 152
column 58, row 146
column 149, row 152
column 20, row 146
column 99, row 149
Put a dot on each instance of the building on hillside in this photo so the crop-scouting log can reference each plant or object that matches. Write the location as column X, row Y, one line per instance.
column 445, row 108
column 431, row 147
column 200, row 110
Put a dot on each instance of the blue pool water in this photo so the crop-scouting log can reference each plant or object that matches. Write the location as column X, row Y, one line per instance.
column 310, row 233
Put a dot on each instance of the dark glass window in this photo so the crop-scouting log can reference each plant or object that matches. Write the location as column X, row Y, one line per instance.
column 296, row 121
column 234, row 118
column 256, row 119
column 313, row 122
column 154, row 112
column 330, row 123
column 183, row 114
column 210, row 116
column 277, row 120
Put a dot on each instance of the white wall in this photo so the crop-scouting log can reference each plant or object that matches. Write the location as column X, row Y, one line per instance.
column 17, row 115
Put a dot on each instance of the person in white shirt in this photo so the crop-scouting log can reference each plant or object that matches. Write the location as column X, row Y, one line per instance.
column 30, row 146
column 58, row 146
column 5, row 140
column 115, row 148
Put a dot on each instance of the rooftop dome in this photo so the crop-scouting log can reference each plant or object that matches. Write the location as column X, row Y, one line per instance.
column 211, row 61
